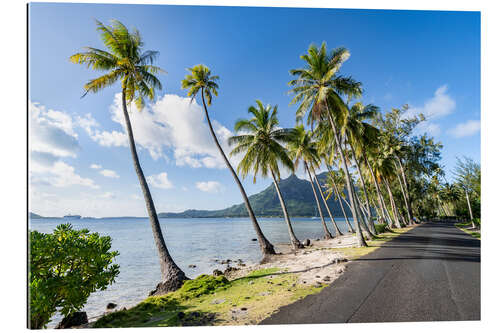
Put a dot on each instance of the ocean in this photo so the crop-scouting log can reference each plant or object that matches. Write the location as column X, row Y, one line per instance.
column 196, row 242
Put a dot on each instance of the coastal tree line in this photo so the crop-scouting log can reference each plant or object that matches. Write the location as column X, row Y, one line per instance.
column 379, row 168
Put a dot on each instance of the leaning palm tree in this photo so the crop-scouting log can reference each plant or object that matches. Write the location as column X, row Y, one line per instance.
column 354, row 128
column 302, row 148
column 125, row 62
column 369, row 157
column 384, row 170
column 200, row 80
column 468, row 174
column 318, row 90
column 333, row 189
column 262, row 145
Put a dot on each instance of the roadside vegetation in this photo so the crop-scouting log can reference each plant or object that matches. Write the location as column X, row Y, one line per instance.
column 209, row 300
column 474, row 231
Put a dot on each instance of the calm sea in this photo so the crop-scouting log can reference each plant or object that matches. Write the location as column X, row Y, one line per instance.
column 190, row 242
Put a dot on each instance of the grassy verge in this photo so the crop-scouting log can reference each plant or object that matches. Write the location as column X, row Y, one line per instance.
column 353, row 253
column 464, row 225
column 209, row 300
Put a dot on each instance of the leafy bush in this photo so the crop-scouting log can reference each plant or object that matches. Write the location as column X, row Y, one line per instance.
column 65, row 267
column 381, row 228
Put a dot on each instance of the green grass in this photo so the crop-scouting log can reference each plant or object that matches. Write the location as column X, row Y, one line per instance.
column 462, row 226
column 209, row 300
column 353, row 253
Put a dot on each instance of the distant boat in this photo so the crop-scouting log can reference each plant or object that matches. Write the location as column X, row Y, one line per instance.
column 72, row 217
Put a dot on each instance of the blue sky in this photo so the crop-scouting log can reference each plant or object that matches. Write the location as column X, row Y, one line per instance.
column 80, row 162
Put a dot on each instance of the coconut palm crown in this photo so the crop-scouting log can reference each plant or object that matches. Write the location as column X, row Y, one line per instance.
column 261, row 142
column 125, row 61
column 200, row 77
column 319, row 80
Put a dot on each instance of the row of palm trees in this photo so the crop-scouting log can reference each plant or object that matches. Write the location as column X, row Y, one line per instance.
column 369, row 156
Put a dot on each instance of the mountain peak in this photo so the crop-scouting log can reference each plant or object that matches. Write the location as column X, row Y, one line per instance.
column 297, row 193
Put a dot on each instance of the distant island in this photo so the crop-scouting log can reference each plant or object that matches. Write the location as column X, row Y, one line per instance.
column 297, row 193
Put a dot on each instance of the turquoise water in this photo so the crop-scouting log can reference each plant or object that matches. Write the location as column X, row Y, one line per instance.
column 190, row 242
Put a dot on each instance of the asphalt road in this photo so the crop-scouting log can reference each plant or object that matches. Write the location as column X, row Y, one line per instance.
column 431, row 273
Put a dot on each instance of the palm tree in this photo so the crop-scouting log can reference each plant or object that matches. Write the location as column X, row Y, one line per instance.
column 468, row 174
column 384, row 169
column 200, row 79
column 261, row 144
column 450, row 194
column 331, row 188
column 376, row 180
column 318, row 91
column 354, row 128
column 126, row 62
column 302, row 148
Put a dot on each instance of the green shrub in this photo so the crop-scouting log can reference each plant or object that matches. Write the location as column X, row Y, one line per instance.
column 381, row 228
column 65, row 267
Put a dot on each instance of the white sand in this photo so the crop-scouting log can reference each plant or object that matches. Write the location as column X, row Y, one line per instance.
column 313, row 264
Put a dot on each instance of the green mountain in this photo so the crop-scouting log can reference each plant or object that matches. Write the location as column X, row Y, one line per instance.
column 298, row 195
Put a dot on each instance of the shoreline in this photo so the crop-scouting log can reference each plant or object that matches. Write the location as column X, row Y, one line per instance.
column 248, row 295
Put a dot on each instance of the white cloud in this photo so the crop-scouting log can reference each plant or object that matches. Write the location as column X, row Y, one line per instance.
column 110, row 139
column 440, row 105
column 171, row 124
column 60, row 174
column 107, row 195
column 95, row 166
column 51, row 132
column 103, row 138
column 210, row 186
column 52, row 137
column 135, row 197
column 109, row 173
column 468, row 128
column 160, row 181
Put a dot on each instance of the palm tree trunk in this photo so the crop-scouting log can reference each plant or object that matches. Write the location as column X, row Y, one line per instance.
column 364, row 213
column 350, row 190
column 404, row 198
column 339, row 199
column 337, row 230
column 364, row 223
column 404, row 191
column 348, row 204
column 328, row 235
column 393, row 204
column 381, row 201
column 369, row 215
column 265, row 246
column 470, row 209
column 407, row 187
column 293, row 239
column 172, row 276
